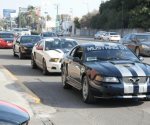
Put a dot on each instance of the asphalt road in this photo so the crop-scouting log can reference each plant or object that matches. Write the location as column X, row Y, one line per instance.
column 65, row 107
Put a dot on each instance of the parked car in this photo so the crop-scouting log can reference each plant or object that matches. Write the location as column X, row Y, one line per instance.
column 6, row 39
column 111, row 36
column 105, row 70
column 138, row 42
column 11, row 114
column 99, row 35
column 23, row 45
column 48, row 53
column 48, row 34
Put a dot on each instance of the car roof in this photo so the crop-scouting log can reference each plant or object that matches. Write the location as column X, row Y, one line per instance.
column 51, row 38
column 140, row 33
column 68, row 39
column 29, row 35
column 6, row 32
column 99, row 44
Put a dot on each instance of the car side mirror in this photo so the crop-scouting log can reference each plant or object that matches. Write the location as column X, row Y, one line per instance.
column 39, row 48
column 76, row 59
column 17, row 42
column 141, row 58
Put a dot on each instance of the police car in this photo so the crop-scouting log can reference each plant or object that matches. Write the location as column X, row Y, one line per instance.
column 106, row 70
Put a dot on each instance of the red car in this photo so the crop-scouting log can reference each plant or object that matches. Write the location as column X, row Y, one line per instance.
column 6, row 39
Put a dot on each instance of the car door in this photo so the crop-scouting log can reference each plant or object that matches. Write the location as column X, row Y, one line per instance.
column 39, row 53
column 17, row 45
column 75, row 64
column 131, row 44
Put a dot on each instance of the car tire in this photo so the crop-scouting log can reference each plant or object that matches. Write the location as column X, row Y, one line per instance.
column 137, row 51
column 33, row 63
column 45, row 72
column 63, row 78
column 86, row 92
column 20, row 55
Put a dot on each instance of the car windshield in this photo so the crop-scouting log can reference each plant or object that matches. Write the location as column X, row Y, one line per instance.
column 110, row 54
column 30, row 39
column 68, row 44
column 113, row 33
column 143, row 37
column 7, row 35
column 17, row 29
column 49, row 34
column 59, row 44
column 25, row 29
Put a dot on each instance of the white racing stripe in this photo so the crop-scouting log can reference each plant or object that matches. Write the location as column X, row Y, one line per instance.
column 140, row 72
column 128, row 88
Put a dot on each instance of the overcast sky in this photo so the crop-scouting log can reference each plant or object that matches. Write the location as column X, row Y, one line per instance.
column 74, row 7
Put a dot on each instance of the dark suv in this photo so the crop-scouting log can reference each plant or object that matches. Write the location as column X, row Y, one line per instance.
column 23, row 45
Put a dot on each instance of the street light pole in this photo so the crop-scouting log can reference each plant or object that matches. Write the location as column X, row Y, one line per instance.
column 19, row 18
column 122, row 2
column 57, row 21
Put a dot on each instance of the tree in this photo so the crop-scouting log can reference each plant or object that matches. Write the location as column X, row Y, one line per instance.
column 77, row 23
column 114, row 14
column 86, row 19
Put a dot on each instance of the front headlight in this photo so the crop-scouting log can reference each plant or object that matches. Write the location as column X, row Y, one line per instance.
column 23, row 48
column 145, row 47
column 106, row 79
column 54, row 60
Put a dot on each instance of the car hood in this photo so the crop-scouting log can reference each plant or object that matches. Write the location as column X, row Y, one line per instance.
column 12, row 113
column 119, row 68
column 28, row 45
column 55, row 53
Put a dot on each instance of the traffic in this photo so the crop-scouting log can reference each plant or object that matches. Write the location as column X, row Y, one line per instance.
column 84, row 63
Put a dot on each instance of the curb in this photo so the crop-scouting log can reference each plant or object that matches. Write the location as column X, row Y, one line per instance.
column 36, row 99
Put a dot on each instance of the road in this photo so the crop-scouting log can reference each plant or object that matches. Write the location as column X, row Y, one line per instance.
column 65, row 107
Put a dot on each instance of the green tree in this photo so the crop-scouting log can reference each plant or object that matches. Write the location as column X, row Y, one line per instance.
column 77, row 23
column 115, row 14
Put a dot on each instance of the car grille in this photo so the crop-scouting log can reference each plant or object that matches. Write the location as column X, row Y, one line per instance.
column 135, row 80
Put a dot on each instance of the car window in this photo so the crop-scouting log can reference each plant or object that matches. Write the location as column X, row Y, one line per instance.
column 30, row 39
column 48, row 34
column 113, row 33
column 41, row 44
column 52, row 44
column 68, row 44
column 78, row 53
column 3, row 35
column 143, row 37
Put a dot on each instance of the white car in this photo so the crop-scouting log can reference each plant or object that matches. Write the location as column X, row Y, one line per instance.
column 99, row 35
column 26, row 31
column 48, row 53
column 111, row 36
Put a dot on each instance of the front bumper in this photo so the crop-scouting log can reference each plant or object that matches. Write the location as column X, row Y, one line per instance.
column 27, row 51
column 54, row 67
column 120, row 90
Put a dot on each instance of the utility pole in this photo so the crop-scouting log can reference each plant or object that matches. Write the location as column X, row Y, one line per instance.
column 122, row 2
column 19, row 18
column 57, row 20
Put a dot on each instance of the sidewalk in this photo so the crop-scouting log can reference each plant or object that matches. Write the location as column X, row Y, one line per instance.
column 14, row 92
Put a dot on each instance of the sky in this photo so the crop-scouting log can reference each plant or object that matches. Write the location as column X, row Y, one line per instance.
column 73, row 7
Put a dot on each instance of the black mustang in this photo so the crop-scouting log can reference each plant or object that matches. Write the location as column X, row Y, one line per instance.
column 106, row 70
